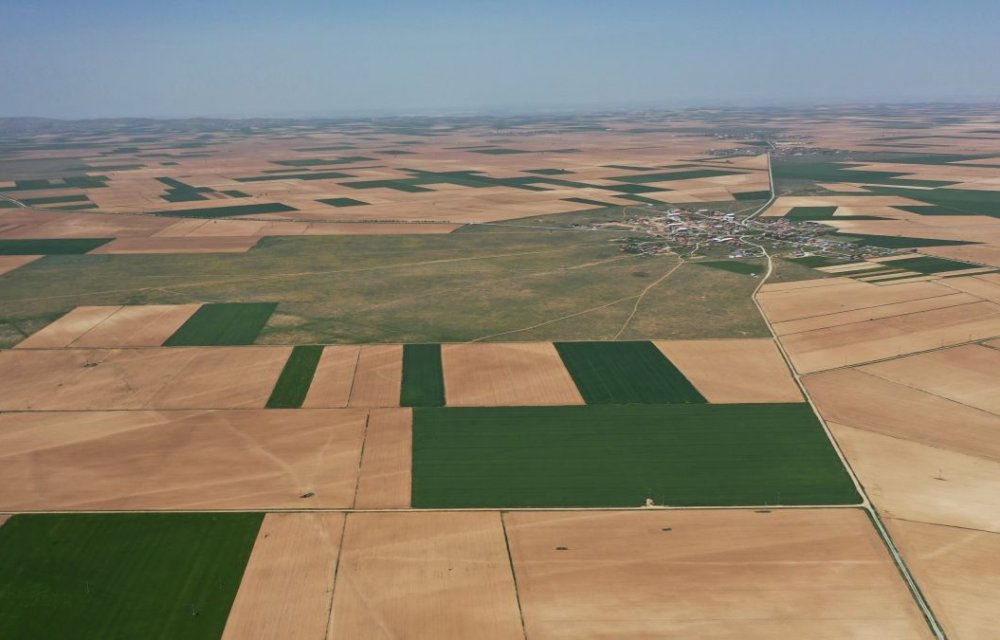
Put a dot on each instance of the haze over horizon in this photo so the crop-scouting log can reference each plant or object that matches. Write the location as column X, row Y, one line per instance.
column 113, row 58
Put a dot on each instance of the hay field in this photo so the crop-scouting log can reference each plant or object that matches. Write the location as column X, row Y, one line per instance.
column 722, row 574
column 142, row 378
column 288, row 584
column 424, row 575
column 170, row 460
column 511, row 374
column 384, row 478
column 734, row 371
column 123, row 326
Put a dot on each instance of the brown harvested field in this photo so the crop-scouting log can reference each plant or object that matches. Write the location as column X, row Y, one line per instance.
column 334, row 377
column 507, row 374
column 384, row 477
column 856, row 399
column 424, row 575
column 246, row 459
column 68, row 328
column 958, row 571
column 804, row 284
column 968, row 375
column 840, row 295
column 154, row 378
column 986, row 286
column 982, row 253
column 802, row 573
column 9, row 263
column 866, row 341
column 872, row 313
column 127, row 326
column 4, row 517
column 734, row 371
column 287, row 588
column 912, row 480
column 378, row 376
column 209, row 244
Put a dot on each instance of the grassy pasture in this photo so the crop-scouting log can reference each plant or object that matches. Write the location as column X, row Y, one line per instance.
column 223, row 324
column 423, row 377
column 293, row 384
column 104, row 576
column 618, row 456
column 52, row 247
column 625, row 373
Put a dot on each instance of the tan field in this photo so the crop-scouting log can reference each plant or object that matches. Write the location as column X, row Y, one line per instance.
column 857, row 399
column 251, row 460
column 734, row 370
column 957, row 569
column 915, row 480
column 439, row 576
column 986, row 286
column 809, row 573
column 872, row 313
column 888, row 337
column 287, row 588
column 334, row 377
column 9, row 263
column 4, row 518
column 164, row 378
column 126, row 326
column 508, row 374
column 384, row 477
column 969, row 375
column 68, row 328
column 839, row 295
column 378, row 377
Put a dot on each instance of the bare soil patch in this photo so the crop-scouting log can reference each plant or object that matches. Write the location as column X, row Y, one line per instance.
column 384, row 479
column 506, row 374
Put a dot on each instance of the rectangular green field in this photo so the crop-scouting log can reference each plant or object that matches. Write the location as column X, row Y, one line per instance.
column 342, row 202
column 625, row 373
column 225, row 212
column 930, row 264
column 101, row 576
column 53, row 247
column 223, row 324
column 619, row 456
column 423, row 378
column 293, row 383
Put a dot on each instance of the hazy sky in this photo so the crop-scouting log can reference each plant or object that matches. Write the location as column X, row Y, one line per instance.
column 91, row 58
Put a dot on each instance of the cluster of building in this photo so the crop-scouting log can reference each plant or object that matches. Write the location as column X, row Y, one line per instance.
column 690, row 232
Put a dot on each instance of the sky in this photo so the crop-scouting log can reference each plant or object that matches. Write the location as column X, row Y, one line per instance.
column 247, row 58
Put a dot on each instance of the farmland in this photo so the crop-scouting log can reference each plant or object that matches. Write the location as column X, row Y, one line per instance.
column 502, row 376
column 603, row 456
column 101, row 576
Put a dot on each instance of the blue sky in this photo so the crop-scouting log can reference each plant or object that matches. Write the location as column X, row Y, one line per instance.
column 90, row 58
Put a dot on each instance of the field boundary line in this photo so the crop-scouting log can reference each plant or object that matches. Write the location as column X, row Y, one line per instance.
column 513, row 575
column 361, row 460
column 930, row 393
column 336, row 572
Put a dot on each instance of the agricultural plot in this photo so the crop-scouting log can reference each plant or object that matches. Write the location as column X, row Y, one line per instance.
column 625, row 373
column 734, row 371
column 508, row 374
column 10, row 262
column 293, row 384
column 424, row 575
column 112, row 326
column 223, row 324
column 802, row 573
column 122, row 575
column 180, row 460
column 423, row 379
column 53, row 247
column 605, row 456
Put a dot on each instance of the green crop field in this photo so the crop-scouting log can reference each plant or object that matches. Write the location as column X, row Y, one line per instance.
column 929, row 264
column 103, row 576
column 53, row 247
column 898, row 242
column 223, row 324
column 753, row 195
column 618, row 456
column 224, row 212
column 293, row 383
column 342, row 202
column 735, row 266
column 625, row 373
column 423, row 379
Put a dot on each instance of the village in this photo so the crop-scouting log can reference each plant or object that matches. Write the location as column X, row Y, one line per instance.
column 694, row 232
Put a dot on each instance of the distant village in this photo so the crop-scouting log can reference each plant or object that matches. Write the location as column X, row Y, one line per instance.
column 693, row 233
